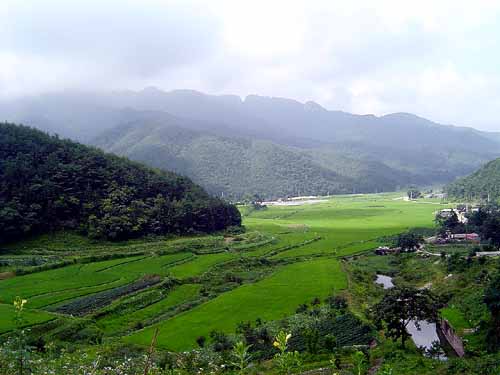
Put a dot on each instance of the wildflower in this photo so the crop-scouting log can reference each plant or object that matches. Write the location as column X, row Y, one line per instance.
column 19, row 303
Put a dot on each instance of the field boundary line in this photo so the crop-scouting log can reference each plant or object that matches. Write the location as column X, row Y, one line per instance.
column 76, row 288
column 120, row 264
column 79, row 296
column 179, row 261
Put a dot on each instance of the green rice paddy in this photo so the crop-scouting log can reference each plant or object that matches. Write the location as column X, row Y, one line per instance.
column 271, row 298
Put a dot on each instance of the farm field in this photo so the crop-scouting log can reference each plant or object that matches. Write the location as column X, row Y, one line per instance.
column 123, row 320
column 345, row 225
column 50, row 287
column 190, row 287
column 269, row 299
column 31, row 317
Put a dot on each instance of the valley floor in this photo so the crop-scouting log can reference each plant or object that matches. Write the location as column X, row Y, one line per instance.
column 83, row 292
column 301, row 247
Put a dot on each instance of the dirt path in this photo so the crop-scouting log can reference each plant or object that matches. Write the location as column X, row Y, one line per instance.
column 349, row 282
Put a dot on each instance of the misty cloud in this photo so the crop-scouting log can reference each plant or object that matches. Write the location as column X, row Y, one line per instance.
column 120, row 40
column 436, row 59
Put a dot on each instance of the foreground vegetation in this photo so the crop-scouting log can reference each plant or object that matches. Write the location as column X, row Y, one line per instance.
column 227, row 303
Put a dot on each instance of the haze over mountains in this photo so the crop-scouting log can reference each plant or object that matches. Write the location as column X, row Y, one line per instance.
column 260, row 145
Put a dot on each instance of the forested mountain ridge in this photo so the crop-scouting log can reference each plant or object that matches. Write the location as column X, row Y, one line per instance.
column 347, row 152
column 482, row 184
column 234, row 166
column 47, row 183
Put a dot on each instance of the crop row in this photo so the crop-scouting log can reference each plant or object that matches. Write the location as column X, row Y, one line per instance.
column 83, row 306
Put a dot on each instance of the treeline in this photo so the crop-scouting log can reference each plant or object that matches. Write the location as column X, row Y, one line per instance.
column 47, row 184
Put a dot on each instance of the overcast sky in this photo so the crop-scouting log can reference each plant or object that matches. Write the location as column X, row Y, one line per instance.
column 437, row 59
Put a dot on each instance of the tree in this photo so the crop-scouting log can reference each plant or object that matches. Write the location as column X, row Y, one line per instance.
column 200, row 340
column 477, row 218
column 400, row 306
column 220, row 341
column 449, row 223
column 302, row 308
column 491, row 230
column 413, row 193
column 258, row 338
column 409, row 241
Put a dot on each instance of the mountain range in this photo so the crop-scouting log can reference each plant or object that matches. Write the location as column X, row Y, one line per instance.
column 268, row 146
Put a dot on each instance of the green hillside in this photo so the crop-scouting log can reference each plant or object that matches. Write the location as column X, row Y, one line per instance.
column 480, row 184
column 237, row 166
column 48, row 184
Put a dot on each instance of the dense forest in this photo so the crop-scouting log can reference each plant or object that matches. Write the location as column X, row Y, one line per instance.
column 482, row 184
column 47, row 183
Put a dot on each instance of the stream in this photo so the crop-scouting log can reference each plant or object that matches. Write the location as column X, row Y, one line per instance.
column 427, row 333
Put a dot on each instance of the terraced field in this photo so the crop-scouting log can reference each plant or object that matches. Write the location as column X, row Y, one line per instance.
column 271, row 298
column 123, row 320
column 189, row 287
column 51, row 287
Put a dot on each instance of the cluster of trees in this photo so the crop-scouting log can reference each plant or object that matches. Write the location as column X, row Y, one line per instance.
column 413, row 193
column 48, row 184
column 409, row 241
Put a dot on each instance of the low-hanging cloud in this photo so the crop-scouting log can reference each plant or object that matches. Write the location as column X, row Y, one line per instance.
column 436, row 59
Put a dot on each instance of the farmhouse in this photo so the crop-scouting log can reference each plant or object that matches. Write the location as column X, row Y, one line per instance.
column 454, row 237
column 472, row 237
